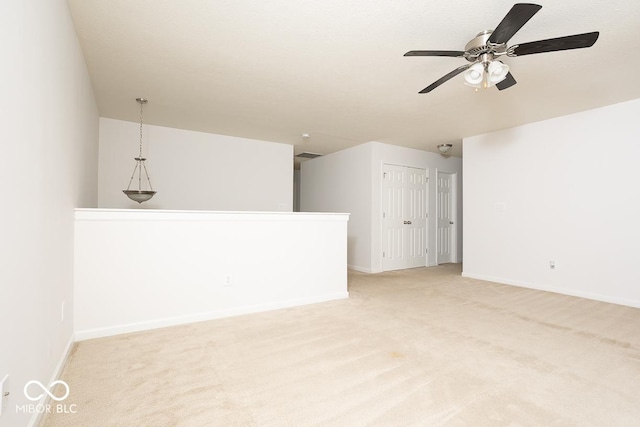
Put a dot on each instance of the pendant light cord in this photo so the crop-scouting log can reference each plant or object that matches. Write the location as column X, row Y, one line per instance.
column 140, row 156
column 143, row 165
column 141, row 104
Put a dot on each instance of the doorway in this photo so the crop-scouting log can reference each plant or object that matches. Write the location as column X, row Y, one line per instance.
column 404, row 217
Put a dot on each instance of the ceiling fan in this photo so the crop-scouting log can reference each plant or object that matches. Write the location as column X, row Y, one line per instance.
column 484, row 69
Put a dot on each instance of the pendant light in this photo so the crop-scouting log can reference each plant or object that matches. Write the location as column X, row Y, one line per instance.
column 140, row 195
column 444, row 148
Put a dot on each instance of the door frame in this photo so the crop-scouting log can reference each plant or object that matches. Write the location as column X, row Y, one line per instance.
column 454, row 213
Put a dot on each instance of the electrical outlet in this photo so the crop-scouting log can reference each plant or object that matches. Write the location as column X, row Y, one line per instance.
column 227, row 281
column 552, row 265
column 500, row 206
column 4, row 392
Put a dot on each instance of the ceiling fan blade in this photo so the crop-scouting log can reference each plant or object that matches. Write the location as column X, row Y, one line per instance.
column 519, row 14
column 444, row 78
column 577, row 41
column 506, row 83
column 452, row 53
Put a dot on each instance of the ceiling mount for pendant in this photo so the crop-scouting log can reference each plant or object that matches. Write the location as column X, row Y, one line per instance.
column 145, row 191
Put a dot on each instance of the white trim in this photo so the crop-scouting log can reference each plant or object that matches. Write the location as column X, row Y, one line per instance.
column 360, row 269
column 199, row 317
column 36, row 418
column 563, row 291
column 174, row 215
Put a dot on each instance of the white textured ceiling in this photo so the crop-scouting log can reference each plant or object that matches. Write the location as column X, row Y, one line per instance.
column 275, row 69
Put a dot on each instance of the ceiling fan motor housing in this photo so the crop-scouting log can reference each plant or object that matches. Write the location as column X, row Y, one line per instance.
column 479, row 46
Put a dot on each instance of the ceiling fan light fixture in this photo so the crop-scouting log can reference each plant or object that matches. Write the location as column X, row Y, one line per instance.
column 473, row 76
column 486, row 74
column 497, row 71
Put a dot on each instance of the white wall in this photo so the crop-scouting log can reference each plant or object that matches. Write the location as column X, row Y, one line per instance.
column 563, row 190
column 195, row 170
column 341, row 182
column 350, row 181
column 142, row 269
column 48, row 166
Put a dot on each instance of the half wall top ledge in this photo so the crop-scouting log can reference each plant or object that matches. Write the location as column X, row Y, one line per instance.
column 93, row 214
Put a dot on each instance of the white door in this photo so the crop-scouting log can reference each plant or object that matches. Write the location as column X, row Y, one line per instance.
column 416, row 215
column 446, row 218
column 393, row 227
column 404, row 217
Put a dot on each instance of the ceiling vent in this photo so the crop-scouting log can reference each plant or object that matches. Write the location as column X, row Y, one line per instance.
column 308, row 155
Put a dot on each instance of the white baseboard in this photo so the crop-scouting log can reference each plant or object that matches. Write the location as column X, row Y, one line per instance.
column 563, row 291
column 200, row 317
column 36, row 418
column 360, row 269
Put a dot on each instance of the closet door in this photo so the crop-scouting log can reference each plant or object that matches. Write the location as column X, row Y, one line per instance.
column 393, row 217
column 404, row 217
column 416, row 214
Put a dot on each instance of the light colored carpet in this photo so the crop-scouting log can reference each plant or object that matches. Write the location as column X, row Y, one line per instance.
column 420, row 347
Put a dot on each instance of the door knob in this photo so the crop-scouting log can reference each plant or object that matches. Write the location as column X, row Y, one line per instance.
column 451, row 222
column 407, row 222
